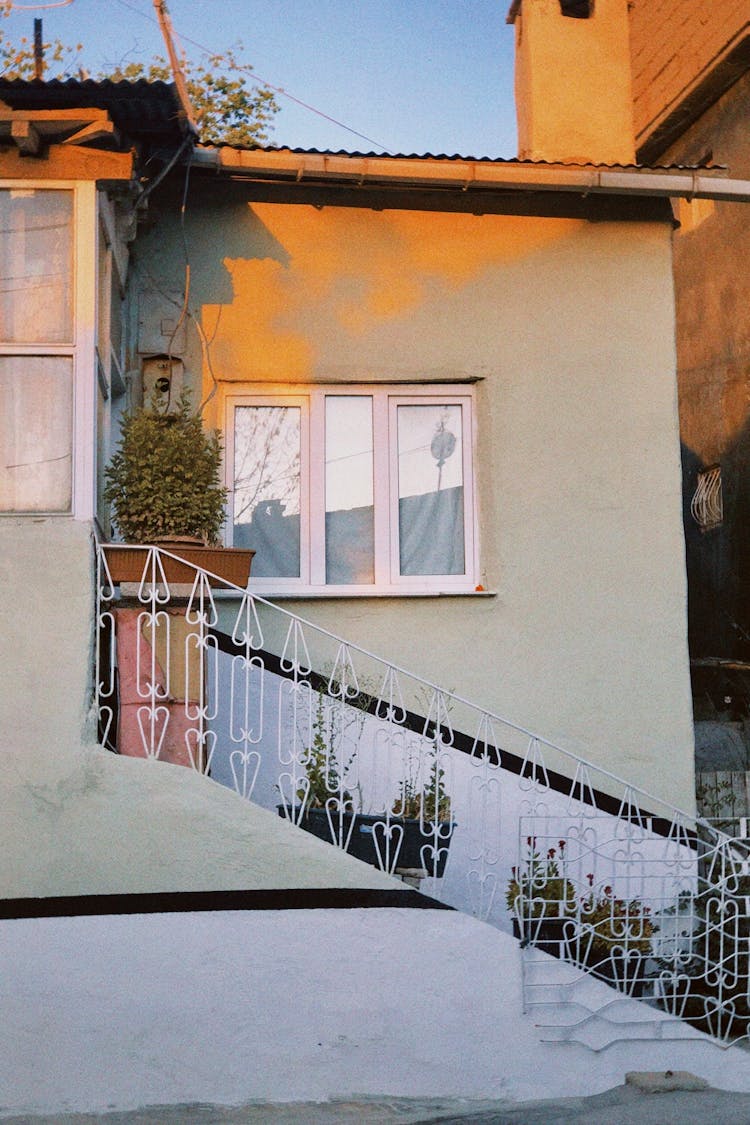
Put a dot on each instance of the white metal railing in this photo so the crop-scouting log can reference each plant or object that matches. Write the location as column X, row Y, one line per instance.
column 492, row 818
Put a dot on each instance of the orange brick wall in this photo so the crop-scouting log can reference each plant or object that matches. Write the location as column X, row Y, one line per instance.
column 674, row 44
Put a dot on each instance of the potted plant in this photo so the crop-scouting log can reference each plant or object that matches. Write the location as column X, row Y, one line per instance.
column 164, row 485
column 542, row 899
column 414, row 833
column 422, row 810
column 613, row 938
column 607, row 935
column 322, row 804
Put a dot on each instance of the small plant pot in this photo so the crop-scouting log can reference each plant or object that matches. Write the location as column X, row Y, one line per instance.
column 367, row 838
column 550, row 935
column 627, row 974
column 231, row 565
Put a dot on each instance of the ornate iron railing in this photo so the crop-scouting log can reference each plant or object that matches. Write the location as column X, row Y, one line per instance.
column 488, row 816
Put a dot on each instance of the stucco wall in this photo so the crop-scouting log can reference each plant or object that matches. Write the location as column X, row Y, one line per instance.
column 77, row 820
column 596, row 50
column 46, row 615
column 570, row 328
column 293, row 1005
column 674, row 44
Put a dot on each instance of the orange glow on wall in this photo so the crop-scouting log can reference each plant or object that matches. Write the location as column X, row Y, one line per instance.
column 344, row 278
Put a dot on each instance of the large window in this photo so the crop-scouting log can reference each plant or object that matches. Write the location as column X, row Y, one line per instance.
column 354, row 489
column 36, row 350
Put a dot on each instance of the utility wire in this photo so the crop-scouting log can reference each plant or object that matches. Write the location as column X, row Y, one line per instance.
column 13, row 7
column 260, row 81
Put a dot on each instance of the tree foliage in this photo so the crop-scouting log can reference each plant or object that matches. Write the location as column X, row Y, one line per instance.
column 17, row 57
column 230, row 107
column 165, row 478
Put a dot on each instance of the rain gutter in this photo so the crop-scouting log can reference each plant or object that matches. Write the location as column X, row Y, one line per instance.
column 466, row 175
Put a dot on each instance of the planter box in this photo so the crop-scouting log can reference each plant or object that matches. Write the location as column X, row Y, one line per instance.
column 230, row 564
column 550, row 935
column 556, row 936
column 628, row 974
column 362, row 838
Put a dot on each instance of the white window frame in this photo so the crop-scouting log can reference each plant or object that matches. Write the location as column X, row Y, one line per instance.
column 80, row 349
column 386, row 398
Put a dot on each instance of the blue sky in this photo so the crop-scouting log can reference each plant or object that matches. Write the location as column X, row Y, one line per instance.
column 412, row 75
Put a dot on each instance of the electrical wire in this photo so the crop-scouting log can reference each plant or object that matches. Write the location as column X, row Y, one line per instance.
column 260, row 81
column 189, row 142
column 13, row 7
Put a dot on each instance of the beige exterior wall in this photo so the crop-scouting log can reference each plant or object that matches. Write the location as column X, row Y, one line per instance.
column 569, row 327
column 77, row 820
column 46, row 616
column 674, row 45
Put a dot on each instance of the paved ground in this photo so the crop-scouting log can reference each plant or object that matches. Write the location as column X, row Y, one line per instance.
column 624, row 1105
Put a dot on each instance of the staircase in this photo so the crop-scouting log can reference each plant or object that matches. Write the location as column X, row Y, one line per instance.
column 632, row 915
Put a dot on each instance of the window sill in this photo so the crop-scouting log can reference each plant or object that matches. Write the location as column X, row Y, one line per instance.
column 338, row 595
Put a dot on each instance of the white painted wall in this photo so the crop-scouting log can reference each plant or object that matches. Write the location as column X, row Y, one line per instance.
column 293, row 1005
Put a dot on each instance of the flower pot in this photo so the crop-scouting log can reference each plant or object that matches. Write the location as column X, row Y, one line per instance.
column 550, row 935
column 619, row 970
column 366, row 838
column 231, row 565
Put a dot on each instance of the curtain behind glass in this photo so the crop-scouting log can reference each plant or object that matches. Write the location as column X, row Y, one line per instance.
column 350, row 524
column 36, row 427
column 36, row 266
column 430, row 490
column 267, row 487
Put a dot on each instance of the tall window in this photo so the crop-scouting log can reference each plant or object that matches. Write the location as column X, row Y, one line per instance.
column 36, row 350
column 357, row 490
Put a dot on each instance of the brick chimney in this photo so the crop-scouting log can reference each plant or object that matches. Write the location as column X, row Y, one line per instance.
column 574, row 101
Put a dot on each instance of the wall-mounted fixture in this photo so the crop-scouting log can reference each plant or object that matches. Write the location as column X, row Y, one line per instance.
column 707, row 505
column 163, row 380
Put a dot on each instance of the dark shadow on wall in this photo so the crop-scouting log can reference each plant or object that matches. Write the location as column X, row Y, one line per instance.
column 718, row 560
column 219, row 224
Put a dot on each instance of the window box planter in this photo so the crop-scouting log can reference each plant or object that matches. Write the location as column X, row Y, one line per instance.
column 231, row 565
column 626, row 972
column 362, row 835
column 550, row 935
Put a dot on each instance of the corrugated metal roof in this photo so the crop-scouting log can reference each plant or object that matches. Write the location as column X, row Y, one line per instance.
column 149, row 112
column 707, row 165
column 143, row 111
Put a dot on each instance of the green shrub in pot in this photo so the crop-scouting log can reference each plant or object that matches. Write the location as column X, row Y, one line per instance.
column 165, row 478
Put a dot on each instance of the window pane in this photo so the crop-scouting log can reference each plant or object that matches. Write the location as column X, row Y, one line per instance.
column 430, row 490
column 36, row 408
column 36, row 266
column 350, row 528
column 267, row 456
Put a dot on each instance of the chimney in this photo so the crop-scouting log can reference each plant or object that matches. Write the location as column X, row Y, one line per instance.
column 574, row 101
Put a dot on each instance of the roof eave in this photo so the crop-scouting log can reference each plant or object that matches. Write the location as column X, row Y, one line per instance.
column 285, row 166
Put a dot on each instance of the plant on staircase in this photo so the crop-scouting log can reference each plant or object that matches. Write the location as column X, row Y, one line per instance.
column 425, row 800
column 539, row 887
column 323, row 774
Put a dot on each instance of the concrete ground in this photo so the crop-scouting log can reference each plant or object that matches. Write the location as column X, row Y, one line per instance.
column 624, row 1105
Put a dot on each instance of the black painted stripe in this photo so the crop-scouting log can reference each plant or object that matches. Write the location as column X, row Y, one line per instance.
column 181, row 902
